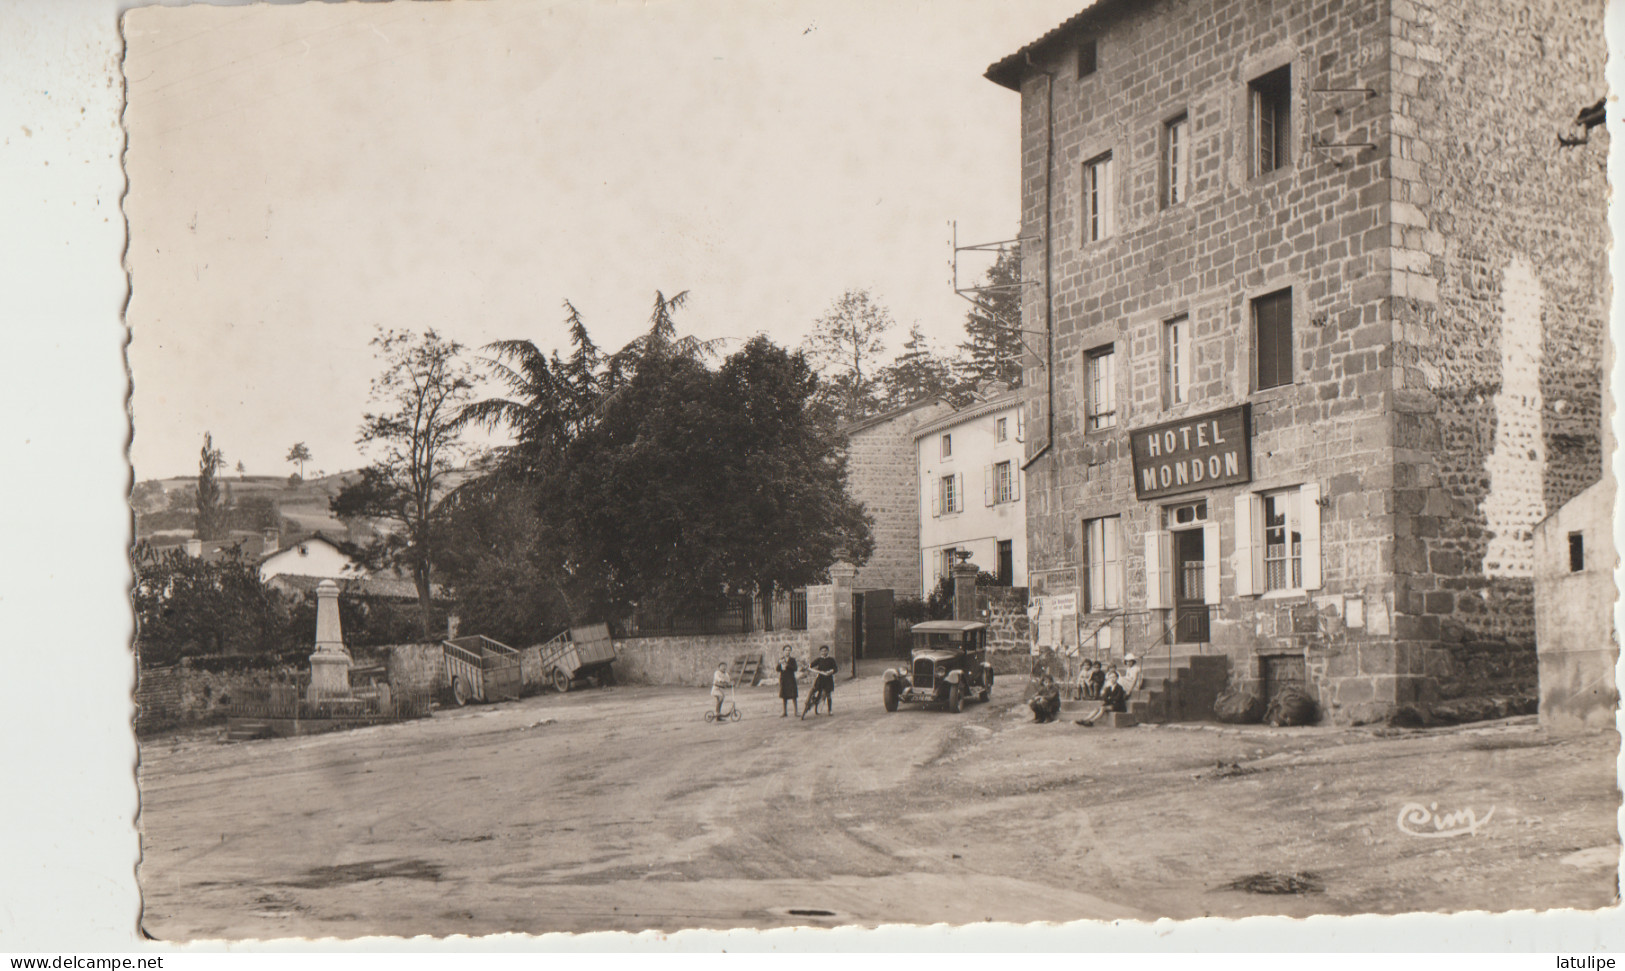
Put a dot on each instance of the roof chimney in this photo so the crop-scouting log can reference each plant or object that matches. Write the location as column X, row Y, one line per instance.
column 269, row 541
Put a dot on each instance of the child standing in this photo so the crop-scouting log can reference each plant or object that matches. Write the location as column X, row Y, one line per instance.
column 720, row 683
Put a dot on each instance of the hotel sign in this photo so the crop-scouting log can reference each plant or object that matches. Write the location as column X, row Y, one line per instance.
column 1209, row 450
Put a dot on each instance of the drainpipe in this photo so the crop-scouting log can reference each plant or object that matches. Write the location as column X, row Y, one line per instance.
column 1049, row 249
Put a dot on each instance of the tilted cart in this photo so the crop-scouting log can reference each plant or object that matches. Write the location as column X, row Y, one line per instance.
column 481, row 669
column 580, row 653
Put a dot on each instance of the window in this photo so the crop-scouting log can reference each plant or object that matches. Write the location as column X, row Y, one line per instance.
column 1001, row 429
column 947, row 445
column 1098, row 209
column 1100, row 377
column 1007, row 562
column 1283, row 543
column 948, row 495
column 1184, row 514
column 1577, row 552
column 1004, row 483
column 946, row 570
column 1176, row 361
column 1086, row 58
column 1271, row 97
column 1175, row 161
column 1278, row 540
column 1272, row 340
column 1102, row 564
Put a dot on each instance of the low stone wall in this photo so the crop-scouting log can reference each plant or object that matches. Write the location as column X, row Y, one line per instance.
column 182, row 696
column 420, row 667
column 692, row 660
column 1005, row 611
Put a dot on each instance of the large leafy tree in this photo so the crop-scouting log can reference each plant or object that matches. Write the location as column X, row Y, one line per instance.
column 845, row 346
column 211, row 507
column 415, row 440
column 788, row 515
column 188, row 605
column 645, row 477
column 993, row 348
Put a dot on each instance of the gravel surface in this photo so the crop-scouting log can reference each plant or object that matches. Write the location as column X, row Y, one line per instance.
column 622, row 809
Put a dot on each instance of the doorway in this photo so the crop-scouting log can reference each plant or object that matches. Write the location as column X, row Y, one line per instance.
column 1190, row 588
column 875, row 630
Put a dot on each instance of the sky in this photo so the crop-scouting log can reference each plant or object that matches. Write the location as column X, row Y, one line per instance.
column 300, row 175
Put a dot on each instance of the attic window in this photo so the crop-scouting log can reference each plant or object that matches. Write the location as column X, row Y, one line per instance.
column 1086, row 58
column 1577, row 552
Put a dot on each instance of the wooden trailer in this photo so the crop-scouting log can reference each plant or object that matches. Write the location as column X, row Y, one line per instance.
column 481, row 669
column 580, row 653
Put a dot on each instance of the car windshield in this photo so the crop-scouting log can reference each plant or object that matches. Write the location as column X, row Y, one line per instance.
column 943, row 640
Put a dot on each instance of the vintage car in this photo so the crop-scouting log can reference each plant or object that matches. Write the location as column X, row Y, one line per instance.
column 948, row 663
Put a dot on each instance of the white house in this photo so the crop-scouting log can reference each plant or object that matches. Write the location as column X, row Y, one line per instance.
column 971, row 488
column 313, row 556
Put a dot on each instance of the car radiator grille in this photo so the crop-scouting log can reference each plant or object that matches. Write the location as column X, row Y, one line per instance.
column 923, row 673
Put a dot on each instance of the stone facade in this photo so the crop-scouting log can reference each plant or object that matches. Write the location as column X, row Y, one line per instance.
column 880, row 473
column 1443, row 265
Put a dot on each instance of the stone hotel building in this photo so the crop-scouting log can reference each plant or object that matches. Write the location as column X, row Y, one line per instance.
column 1320, row 300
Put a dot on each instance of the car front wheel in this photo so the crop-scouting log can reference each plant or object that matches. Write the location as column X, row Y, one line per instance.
column 956, row 698
column 890, row 693
column 987, row 688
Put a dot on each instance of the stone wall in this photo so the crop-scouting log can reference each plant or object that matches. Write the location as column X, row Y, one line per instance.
column 1005, row 611
column 691, row 659
column 417, row 666
column 882, row 473
column 183, row 696
column 1574, row 613
column 1502, row 346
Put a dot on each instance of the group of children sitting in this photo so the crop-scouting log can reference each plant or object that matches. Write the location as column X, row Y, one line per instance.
column 1094, row 683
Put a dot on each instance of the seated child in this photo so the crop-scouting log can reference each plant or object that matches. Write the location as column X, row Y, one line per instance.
column 1047, row 703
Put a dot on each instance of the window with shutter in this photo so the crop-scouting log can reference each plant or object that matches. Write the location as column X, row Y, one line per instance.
column 1159, row 588
column 1272, row 340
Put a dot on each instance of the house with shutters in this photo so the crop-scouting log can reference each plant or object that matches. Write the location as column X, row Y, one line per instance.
column 968, row 465
column 1317, row 306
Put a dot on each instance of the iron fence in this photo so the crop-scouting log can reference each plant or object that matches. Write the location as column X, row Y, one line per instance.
column 735, row 615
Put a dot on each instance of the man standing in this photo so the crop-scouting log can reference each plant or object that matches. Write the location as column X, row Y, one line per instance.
column 823, row 687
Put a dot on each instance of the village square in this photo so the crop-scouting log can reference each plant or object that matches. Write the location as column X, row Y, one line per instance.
column 1240, row 543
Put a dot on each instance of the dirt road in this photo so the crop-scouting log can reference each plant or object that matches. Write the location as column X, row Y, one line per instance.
column 622, row 809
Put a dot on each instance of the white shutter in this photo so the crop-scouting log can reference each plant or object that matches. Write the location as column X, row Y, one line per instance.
column 1246, row 540
column 1108, row 198
column 1158, row 592
column 1210, row 563
column 1309, row 518
column 1015, row 482
column 959, row 492
column 987, row 485
column 936, row 498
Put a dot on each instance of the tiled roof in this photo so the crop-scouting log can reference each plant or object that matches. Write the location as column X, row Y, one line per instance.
column 1009, row 71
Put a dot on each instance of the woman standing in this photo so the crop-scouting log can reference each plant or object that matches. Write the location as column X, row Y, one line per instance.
column 787, row 683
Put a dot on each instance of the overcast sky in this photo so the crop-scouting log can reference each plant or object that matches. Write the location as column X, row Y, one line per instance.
column 301, row 174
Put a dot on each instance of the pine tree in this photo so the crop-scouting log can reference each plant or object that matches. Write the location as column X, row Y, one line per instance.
column 994, row 349
column 211, row 513
column 917, row 373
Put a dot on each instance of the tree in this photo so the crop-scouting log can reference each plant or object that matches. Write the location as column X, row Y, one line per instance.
column 211, row 513
column 695, row 485
column 843, row 346
column 241, row 470
column 993, row 349
column 788, row 515
column 187, row 605
column 916, row 373
column 415, row 439
column 299, row 453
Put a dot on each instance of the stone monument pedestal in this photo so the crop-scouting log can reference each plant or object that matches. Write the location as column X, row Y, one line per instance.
column 330, row 664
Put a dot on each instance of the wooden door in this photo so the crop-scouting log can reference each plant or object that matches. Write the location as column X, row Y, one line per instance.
column 1190, row 587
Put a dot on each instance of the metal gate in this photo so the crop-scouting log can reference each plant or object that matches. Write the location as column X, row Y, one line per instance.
column 878, row 638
